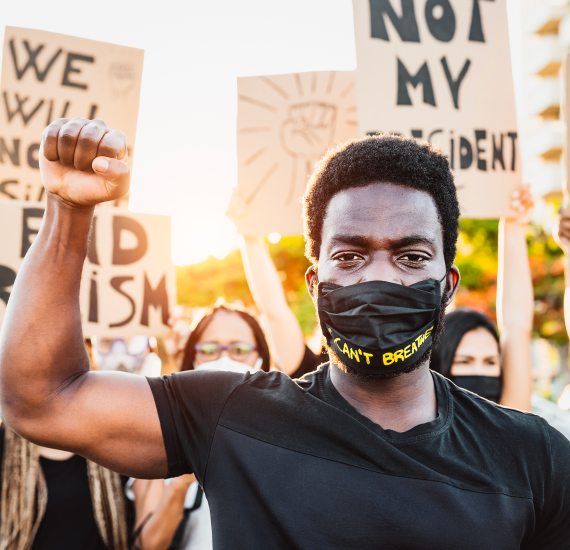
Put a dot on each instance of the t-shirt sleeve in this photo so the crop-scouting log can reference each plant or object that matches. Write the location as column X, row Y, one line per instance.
column 553, row 527
column 189, row 405
column 309, row 363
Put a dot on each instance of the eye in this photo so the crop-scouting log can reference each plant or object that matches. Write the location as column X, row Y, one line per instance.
column 348, row 259
column 414, row 258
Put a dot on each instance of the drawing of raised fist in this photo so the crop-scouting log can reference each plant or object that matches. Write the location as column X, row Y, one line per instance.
column 308, row 129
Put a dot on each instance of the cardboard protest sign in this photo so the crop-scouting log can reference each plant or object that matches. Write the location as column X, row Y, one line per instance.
column 440, row 70
column 46, row 76
column 285, row 124
column 128, row 285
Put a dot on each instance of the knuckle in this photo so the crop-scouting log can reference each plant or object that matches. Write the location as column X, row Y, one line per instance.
column 66, row 137
column 89, row 138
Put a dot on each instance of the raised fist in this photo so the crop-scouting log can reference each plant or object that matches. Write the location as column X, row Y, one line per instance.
column 309, row 129
column 84, row 162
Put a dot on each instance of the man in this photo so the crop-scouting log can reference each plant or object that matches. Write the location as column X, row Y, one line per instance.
column 371, row 451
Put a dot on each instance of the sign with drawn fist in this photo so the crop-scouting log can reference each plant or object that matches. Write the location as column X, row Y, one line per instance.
column 308, row 129
column 285, row 125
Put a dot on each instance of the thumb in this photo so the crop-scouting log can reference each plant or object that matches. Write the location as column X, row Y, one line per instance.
column 117, row 175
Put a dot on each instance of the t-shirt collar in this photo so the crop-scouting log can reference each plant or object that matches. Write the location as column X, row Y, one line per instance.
column 421, row 431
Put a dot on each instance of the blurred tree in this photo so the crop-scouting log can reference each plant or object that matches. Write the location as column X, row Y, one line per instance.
column 477, row 251
column 200, row 285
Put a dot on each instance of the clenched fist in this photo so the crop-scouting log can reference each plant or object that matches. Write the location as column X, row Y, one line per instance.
column 84, row 162
column 308, row 130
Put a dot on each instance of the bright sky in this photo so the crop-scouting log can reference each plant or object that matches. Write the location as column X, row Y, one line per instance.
column 185, row 158
column 185, row 162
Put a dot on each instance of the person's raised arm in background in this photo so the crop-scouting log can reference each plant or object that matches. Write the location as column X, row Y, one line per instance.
column 265, row 285
column 515, row 303
column 562, row 238
column 159, row 510
column 47, row 393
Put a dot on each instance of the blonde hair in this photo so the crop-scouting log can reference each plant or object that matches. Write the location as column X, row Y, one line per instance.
column 24, row 497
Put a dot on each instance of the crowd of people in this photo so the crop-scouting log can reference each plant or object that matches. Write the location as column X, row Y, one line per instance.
column 405, row 428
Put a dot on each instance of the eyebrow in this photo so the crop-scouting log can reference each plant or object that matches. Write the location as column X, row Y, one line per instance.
column 364, row 241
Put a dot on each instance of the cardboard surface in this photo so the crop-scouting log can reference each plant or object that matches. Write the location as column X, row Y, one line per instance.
column 128, row 285
column 285, row 124
column 441, row 71
column 46, row 76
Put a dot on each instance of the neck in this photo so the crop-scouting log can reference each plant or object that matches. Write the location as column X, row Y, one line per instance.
column 397, row 404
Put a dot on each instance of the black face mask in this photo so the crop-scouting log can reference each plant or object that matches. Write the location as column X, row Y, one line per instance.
column 378, row 327
column 489, row 387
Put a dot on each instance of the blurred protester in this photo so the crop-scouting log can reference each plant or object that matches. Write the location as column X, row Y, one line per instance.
column 293, row 356
column 562, row 238
column 470, row 352
column 56, row 499
column 227, row 338
column 174, row 514
column 133, row 354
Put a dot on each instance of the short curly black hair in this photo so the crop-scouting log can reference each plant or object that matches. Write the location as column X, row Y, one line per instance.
column 383, row 159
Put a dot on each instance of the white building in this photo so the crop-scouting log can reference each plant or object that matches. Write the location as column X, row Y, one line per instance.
column 544, row 39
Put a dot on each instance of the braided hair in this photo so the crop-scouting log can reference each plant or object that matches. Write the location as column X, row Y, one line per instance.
column 24, row 497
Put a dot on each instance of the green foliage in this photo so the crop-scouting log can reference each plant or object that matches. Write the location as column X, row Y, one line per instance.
column 477, row 262
column 200, row 285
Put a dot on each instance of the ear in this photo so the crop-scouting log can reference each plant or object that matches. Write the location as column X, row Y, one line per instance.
column 452, row 283
column 311, row 279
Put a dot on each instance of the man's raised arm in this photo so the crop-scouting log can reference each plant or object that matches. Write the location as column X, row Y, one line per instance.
column 47, row 393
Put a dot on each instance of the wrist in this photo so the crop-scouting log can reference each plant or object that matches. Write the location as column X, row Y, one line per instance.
column 56, row 201
column 67, row 226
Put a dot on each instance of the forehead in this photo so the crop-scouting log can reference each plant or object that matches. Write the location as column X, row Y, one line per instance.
column 227, row 327
column 383, row 211
column 478, row 343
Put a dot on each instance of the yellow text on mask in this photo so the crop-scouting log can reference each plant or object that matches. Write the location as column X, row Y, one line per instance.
column 353, row 354
column 404, row 353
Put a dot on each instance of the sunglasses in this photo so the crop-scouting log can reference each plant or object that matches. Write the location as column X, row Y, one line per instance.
column 239, row 351
column 136, row 345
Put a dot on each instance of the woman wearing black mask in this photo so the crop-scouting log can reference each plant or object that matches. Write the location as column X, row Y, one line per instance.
column 470, row 352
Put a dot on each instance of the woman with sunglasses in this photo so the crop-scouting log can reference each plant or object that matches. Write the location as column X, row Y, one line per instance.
column 174, row 514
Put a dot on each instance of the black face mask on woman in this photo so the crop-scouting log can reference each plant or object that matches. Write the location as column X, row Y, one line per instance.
column 489, row 387
column 377, row 327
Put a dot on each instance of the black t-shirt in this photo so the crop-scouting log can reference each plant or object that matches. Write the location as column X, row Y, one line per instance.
column 291, row 465
column 310, row 362
column 69, row 520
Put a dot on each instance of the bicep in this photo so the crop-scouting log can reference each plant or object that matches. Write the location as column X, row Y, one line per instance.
column 110, row 418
